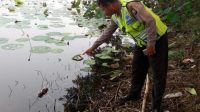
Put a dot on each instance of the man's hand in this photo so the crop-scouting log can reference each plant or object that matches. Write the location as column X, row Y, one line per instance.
column 89, row 52
column 151, row 50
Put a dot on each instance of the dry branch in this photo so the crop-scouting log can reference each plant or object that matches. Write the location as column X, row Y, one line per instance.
column 145, row 93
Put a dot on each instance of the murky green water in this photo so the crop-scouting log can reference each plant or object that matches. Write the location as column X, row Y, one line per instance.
column 23, row 73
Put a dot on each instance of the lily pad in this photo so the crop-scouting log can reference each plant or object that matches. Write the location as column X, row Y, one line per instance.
column 24, row 23
column 57, row 50
column 43, row 27
column 72, row 37
column 22, row 39
column 57, row 25
column 41, row 49
column 3, row 40
column 52, row 40
column 54, row 33
column 68, row 37
column 54, row 19
column 60, row 43
column 17, row 26
column 40, row 38
column 12, row 46
column 4, row 21
column 66, row 34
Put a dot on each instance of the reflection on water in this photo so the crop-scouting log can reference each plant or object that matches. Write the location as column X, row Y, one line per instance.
column 23, row 74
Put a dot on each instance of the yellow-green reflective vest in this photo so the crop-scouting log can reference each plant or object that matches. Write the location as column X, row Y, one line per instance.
column 133, row 27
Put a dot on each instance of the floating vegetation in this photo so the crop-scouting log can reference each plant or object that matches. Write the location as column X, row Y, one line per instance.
column 52, row 40
column 22, row 39
column 66, row 34
column 29, row 16
column 40, row 49
column 54, row 34
column 57, row 25
column 17, row 26
column 23, row 23
column 3, row 40
column 42, row 18
column 77, row 57
column 12, row 46
column 43, row 27
column 57, row 50
column 40, row 38
column 61, row 43
column 46, row 12
column 4, row 21
column 19, row 2
column 72, row 37
column 54, row 19
column 69, row 37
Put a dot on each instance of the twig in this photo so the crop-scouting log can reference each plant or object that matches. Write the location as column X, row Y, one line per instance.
column 114, row 95
column 29, row 58
column 145, row 93
column 110, row 101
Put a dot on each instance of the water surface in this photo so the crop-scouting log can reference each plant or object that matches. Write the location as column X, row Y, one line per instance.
column 21, row 79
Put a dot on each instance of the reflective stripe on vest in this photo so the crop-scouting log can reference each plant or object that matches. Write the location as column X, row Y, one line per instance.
column 134, row 28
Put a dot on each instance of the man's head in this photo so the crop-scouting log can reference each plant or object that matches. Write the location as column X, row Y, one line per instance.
column 109, row 7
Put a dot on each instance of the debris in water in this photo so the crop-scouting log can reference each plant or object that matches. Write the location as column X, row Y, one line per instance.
column 77, row 57
column 43, row 92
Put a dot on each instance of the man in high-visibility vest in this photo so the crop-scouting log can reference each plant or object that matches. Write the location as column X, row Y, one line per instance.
column 150, row 35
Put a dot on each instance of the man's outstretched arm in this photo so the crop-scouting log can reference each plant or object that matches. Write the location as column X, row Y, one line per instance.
column 106, row 34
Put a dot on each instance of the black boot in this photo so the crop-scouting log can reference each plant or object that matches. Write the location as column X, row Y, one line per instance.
column 124, row 99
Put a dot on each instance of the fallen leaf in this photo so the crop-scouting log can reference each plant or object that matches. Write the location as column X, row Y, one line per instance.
column 191, row 91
